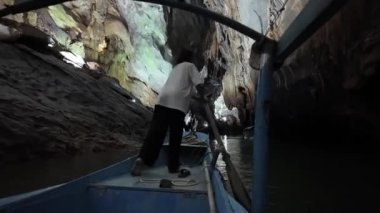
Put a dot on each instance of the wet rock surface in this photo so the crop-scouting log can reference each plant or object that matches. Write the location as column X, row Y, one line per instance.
column 327, row 91
column 48, row 107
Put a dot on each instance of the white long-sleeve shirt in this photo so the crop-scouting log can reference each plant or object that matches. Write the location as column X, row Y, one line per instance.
column 176, row 92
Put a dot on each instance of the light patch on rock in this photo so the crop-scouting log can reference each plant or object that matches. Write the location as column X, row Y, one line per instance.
column 32, row 18
column 61, row 18
column 4, row 32
column 221, row 109
column 148, row 33
column 102, row 46
column 7, row 2
column 73, row 59
column 93, row 65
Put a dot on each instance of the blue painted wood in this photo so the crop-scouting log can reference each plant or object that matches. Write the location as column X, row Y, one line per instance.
column 118, row 200
column 224, row 202
column 69, row 197
column 260, row 142
column 63, row 194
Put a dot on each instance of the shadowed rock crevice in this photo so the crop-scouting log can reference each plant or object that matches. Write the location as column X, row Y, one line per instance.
column 327, row 91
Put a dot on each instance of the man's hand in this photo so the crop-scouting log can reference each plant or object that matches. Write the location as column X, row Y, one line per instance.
column 202, row 93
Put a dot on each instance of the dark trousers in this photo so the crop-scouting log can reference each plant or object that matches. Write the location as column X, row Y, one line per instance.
column 164, row 119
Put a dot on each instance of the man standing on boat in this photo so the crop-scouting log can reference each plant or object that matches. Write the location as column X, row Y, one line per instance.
column 169, row 113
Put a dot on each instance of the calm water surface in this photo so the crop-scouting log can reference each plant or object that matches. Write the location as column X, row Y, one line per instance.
column 313, row 179
column 27, row 176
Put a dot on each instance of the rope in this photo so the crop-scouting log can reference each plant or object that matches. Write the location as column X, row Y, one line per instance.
column 174, row 182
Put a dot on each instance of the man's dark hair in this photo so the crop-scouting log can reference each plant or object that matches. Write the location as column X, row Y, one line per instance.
column 185, row 55
column 241, row 89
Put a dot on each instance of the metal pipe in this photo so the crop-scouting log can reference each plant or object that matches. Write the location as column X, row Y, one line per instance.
column 210, row 192
column 212, row 15
column 260, row 141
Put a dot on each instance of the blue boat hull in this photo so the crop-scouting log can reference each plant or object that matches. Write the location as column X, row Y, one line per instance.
column 113, row 190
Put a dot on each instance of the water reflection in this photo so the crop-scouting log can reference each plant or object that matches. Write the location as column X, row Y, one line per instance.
column 240, row 151
column 310, row 178
column 27, row 176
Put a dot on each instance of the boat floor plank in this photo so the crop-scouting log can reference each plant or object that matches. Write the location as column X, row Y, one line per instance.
column 151, row 177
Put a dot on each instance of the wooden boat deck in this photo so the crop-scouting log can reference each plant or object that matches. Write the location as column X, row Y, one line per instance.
column 150, row 180
column 191, row 157
column 143, row 193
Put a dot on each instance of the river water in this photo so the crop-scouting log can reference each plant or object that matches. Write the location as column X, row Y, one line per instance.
column 301, row 178
column 313, row 178
column 22, row 177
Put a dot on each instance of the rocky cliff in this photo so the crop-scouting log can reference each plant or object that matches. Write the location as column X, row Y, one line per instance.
column 134, row 42
column 123, row 38
column 327, row 90
column 48, row 107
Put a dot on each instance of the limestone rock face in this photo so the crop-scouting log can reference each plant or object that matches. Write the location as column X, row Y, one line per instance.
column 229, row 55
column 221, row 52
column 48, row 107
column 134, row 42
column 188, row 31
column 150, row 65
column 329, row 85
column 126, row 38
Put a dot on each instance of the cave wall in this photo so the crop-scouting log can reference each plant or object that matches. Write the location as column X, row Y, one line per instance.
column 327, row 89
column 134, row 43
column 230, row 55
column 222, row 52
column 150, row 64
column 126, row 39
column 188, row 31
column 49, row 108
